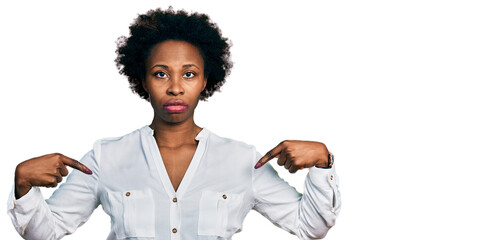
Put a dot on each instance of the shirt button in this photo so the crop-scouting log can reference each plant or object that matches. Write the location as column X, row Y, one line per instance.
column 224, row 196
column 127, row 194
column 332, row 177
column 174, row 230
column 174, row 199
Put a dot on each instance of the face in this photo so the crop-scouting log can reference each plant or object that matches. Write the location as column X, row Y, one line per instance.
column 174, row 79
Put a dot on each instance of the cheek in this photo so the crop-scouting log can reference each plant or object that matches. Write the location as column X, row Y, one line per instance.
column 156, row 88
column 194, row 88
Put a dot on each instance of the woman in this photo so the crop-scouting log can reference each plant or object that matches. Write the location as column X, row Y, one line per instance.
column 173, row 179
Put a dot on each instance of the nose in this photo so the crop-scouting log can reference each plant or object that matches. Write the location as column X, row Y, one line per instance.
column 175, row 87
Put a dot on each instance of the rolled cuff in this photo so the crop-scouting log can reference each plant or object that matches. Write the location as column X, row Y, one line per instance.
column 323, row 178
column 327, row 182
column 21, row 210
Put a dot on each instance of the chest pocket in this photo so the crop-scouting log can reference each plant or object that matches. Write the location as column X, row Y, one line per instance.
column 133, row 213
column 219, row 213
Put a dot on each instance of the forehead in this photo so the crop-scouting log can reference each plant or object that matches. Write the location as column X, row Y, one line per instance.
column 175, row 52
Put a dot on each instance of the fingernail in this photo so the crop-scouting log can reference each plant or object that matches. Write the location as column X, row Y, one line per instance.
column 88, row 171
column 258, row 165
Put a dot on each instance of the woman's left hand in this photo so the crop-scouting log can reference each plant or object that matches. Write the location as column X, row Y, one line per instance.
column 296, row 155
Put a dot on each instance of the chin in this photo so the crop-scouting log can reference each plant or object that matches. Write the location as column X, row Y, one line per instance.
column 175, row 118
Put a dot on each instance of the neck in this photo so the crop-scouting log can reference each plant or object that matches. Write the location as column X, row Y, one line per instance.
column 174, row 135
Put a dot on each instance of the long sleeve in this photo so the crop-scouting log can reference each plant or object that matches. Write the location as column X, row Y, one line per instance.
column 309, row 215
column 68, row 208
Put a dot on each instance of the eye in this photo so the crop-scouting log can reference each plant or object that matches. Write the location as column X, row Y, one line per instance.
column 160, row 74
column 189, row 74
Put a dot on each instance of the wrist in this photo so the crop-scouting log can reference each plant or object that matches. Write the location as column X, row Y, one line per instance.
column 22, row 186
column 330, row 162
column 21, row 190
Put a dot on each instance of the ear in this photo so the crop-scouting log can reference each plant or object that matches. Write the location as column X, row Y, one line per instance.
column 205, row 83
column 144, row 85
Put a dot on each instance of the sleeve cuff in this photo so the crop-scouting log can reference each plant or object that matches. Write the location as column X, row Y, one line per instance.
column 323, row 177
column 21, row 210
column 327, row 182
column 26, row 203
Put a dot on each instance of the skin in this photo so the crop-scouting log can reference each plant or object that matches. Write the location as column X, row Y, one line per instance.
column 47, row 170
column 174, row 71
column 296, row 155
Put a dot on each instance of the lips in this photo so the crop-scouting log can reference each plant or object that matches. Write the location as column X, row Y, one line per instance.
column 175, row 106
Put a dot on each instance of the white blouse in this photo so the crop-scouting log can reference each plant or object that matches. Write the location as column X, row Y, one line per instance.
column 219, row 188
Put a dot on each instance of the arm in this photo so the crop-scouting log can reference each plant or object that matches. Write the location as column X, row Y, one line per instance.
column 68, row 207
column 308, row 216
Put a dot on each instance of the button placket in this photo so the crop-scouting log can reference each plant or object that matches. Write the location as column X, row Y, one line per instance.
column 174, row 217
column 332, row 182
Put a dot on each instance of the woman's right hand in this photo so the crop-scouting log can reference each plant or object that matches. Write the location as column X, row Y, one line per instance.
column 47, row 171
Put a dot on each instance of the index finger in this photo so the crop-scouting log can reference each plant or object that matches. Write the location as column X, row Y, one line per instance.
column 76, row 164
column 273, row 153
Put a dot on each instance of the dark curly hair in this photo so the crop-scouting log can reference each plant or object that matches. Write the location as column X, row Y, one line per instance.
column 159, row 25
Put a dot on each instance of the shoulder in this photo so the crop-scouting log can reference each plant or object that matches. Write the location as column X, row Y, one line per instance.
column 127, row 141
column 216, row 139
column 228, row 144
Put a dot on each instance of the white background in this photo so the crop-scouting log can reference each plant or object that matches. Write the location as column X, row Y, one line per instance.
column 392, row 88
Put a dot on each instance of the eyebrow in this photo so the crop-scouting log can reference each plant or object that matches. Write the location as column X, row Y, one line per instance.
column 160, row 65
column 167, row 67
column 190, row 65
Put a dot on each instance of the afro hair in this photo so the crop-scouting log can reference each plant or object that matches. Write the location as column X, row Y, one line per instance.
column 159, row 25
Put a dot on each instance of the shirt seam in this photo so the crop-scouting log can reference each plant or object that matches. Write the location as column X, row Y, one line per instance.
column 254, row 193
column 98, row 160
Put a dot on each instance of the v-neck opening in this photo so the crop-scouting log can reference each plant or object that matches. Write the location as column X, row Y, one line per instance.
column 191, row 169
